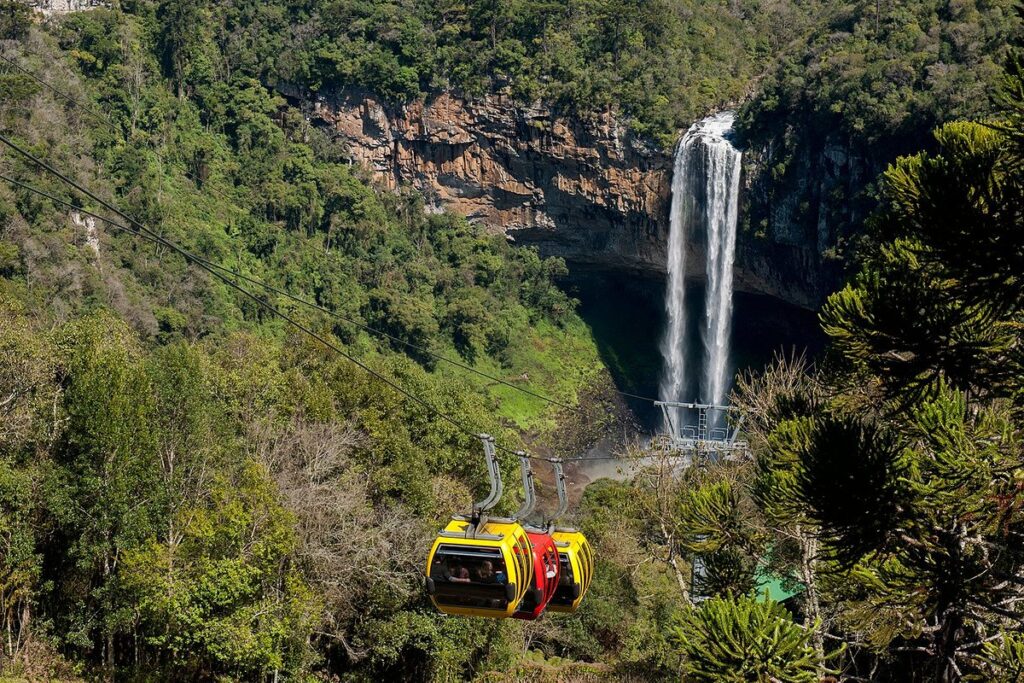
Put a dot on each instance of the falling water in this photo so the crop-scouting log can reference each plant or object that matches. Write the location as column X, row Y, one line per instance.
column 720, row 213
column 673, row 344
column 705, row 189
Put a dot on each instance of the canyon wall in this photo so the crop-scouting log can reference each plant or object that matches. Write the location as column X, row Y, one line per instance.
column 51, row 7
column 584, row 189
column 802, row 206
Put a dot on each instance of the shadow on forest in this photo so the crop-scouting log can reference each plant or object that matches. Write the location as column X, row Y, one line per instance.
column 626, row 317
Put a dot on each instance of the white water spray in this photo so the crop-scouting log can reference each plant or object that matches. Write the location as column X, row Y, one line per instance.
column 673, row 344
column 720, row 213
column 705, row 193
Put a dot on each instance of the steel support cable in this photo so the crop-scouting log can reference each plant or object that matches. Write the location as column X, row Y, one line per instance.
column 188, row 256
column 157, row 239
column 113, row 127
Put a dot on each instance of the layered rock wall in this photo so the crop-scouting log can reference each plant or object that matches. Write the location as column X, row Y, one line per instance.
column 583, row 189
column 51, row 7
column 798, row 223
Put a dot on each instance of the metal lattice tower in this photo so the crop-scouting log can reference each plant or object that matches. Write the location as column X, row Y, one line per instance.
column 699, row 436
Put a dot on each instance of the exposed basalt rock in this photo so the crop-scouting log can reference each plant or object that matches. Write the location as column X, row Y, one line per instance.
column 587, row 190
column 51, row 7
column 801, row 219
column 584, row 190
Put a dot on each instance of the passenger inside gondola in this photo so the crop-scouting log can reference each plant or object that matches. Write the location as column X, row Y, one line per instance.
column 564, row 593
column 549, row 570
column 486, row 573
column 469, row 577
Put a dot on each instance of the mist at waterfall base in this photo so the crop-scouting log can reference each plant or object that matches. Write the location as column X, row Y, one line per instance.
column 626, row 315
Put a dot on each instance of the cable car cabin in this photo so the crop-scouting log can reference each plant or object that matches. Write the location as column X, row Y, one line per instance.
column 576, row 569
column 545, row 577
column 486, row 574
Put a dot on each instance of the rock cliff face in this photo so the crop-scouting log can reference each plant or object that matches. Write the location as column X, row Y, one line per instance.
column 799, row 223
column 51, row 7
column 583, row 189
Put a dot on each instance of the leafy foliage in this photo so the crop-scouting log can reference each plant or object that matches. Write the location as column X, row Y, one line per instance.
column 907, row 465
column 939, row 302
column 868, row 83
column 662, row 63
column 15, row 20
column 745, row 639
column 891, row 72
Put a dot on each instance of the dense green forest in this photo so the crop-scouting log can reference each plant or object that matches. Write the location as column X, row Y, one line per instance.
column 662, row 62
column 879, row 72
column 870, row 82
column 192, row 489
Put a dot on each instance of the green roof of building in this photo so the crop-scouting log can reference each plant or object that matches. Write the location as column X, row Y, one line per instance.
column 773, row 585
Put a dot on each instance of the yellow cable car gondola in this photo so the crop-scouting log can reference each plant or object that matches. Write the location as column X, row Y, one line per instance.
column 481, row 573
column 575, row 557
column 576, row 560
column 478, row 566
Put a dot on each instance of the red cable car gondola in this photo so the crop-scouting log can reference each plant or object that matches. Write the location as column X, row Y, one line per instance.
column 544, row 552
column 545, row 576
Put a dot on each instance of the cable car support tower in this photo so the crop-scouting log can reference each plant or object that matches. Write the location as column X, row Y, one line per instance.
column 703, row 429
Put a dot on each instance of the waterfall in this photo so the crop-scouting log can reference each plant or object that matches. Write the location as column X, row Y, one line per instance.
column 705, row 189
column 722, row 178
column 673, row 344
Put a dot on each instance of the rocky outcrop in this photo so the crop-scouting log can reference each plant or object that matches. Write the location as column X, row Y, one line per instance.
column 587, row 190
column 51, row 7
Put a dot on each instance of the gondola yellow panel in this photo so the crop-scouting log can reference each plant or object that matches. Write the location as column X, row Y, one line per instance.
column 577, row 569
column 482, row 572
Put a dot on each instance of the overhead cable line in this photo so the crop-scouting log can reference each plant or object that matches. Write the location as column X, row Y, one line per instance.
column 305, row 302
column 156, row 239
column 205, row 264
column 261, row 302
column 67, row 96
column 210, row 266
column 216, row 270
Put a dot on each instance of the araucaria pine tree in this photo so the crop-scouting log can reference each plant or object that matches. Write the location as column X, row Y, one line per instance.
column 907, row 467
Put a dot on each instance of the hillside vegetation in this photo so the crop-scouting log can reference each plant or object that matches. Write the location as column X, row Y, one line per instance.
column 191, row 489
column 870, row 82
column 880, row 71
column 663, row 63
column 187, row 483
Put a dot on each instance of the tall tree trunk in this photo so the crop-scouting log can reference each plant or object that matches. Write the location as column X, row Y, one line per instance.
column 812, row 603
column 948, row 644
column 683, row 587
column 8, row 625
column 108, row 646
